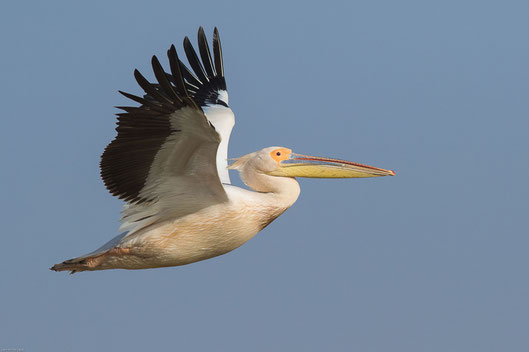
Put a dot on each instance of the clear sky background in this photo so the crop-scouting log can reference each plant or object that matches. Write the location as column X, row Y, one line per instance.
column 434, row 259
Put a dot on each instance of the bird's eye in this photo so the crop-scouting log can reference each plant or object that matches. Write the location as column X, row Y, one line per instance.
column 280, row 154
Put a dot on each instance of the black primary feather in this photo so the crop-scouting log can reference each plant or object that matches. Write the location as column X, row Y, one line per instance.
column 194, row 61
column 176, row 74
column 153, row 91
column 217, row 52
column 207, row 78
column 189, row 77
column 203, row 47
column 161, row 77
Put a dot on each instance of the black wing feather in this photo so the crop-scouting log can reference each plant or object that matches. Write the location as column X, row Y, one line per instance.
column 126, row 161
column 174, row 64
column 161, row 77
column 193, row 60
column 147, row 103
column 217, row 52
column 153, row 91
column 189, row 77
column 203, row 47
column 143, row 130
column 207, row 80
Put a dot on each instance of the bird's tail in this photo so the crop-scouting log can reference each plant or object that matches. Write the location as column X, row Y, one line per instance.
column 90, row 261
column 73, row 265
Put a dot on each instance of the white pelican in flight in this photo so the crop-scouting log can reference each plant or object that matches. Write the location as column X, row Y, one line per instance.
column 168, row 162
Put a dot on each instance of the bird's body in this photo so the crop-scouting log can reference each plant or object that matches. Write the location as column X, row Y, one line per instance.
column 208, row 233
column 169, row 163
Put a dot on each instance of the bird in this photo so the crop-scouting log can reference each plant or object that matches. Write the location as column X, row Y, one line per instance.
column 169, row 164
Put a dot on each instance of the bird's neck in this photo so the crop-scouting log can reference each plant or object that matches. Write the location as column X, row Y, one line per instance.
column 280, row 191
column 285, row 191
column 273, row 197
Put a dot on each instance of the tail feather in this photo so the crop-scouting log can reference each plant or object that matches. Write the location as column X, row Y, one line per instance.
column 88, row 261
column 73, row 265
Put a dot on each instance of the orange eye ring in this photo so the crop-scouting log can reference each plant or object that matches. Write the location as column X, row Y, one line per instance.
column 280, row 154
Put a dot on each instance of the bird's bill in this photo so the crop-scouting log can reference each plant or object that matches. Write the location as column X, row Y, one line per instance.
column 298, row 165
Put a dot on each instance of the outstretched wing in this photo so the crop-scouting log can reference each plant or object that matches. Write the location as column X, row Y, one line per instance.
column 163, row 159
column 207, row 86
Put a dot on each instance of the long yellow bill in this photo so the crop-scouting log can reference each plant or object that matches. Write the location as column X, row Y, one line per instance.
column 298, row 165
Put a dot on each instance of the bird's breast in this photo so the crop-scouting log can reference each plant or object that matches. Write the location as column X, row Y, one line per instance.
column 211, row 232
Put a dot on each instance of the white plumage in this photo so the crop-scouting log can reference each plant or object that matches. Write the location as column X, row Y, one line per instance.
column 169, row 163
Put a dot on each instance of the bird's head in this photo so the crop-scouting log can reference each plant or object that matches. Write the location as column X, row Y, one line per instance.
column 282, row 162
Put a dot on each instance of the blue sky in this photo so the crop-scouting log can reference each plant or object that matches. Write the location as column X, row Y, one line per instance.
column 434, row 259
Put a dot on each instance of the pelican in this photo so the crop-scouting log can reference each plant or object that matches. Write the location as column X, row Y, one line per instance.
column 169, row 163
